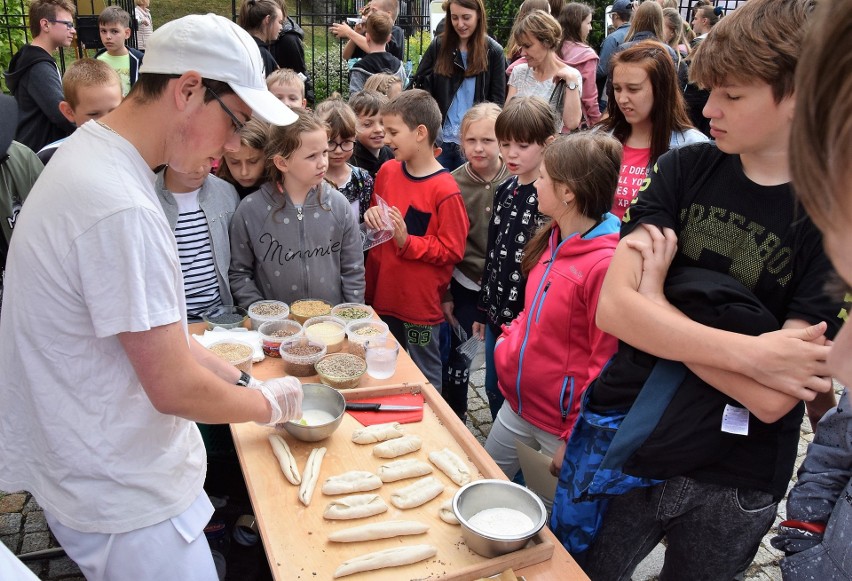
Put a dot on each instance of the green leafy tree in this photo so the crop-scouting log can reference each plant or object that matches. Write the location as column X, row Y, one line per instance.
column 13, row 29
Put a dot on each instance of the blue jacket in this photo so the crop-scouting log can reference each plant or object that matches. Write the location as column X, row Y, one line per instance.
column 135, row 62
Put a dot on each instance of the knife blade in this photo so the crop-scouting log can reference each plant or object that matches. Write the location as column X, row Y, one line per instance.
column 380, row 407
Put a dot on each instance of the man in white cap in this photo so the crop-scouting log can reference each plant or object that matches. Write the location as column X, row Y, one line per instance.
column 100, row 383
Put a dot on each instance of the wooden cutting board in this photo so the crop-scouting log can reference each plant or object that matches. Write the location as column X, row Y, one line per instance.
column 295, row 536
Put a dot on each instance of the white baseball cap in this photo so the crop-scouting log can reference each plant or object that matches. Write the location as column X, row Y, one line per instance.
column 218, row 50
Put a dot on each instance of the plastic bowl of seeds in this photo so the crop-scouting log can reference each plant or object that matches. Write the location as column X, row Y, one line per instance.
column 304, row 309
column 225, row 317
column 263, row 311
column 341, row 370
column 273, row 333
column 326, row 329
column 359, row 332
column 300, row 354
column 352, row 311
column 235, row 352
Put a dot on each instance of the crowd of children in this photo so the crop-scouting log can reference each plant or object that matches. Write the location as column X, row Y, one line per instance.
column 519, row 246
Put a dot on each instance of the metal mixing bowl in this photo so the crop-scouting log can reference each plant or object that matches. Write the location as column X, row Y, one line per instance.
column 479, row 495
column 318, row 397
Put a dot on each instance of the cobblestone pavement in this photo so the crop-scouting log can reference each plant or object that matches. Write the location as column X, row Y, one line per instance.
column 23, row 528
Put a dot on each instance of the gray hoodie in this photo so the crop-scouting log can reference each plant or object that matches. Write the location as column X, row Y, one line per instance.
column 289, row 253
column 822, row 494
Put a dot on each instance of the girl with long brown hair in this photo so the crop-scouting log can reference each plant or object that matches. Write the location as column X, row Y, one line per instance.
column 647, row 114
column 462, row 67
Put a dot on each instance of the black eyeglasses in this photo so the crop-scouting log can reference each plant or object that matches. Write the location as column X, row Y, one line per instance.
column 344, row 146
column 238, row 125
column 69, row 24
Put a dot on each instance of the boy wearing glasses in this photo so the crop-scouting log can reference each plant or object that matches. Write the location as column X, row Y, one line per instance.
column 33, row 77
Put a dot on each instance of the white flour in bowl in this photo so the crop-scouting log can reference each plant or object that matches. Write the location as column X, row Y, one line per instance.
column 501, row 522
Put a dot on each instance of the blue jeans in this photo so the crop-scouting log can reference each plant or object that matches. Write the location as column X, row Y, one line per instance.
column 451, row 155
column 495, row 398
column 712, row 531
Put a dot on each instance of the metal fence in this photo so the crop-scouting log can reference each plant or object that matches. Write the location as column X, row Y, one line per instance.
column 323, row 51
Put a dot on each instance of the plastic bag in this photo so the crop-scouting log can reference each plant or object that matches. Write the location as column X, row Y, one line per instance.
column 371, row 237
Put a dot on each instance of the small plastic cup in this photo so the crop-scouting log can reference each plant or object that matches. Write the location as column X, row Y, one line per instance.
column 238, row 353
column 352, row 312
column 381, row 357
column 273, row 333
column 328, row 330
column 263, row 311
column 360, row 331
column 300, row 354
column 224, row 317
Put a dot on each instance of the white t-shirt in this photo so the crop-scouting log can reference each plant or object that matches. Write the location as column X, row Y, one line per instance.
column 93, row 256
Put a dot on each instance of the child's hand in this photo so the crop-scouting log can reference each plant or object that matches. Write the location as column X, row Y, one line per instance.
column 448, row 308
column 556, row 462
column 479, row 330
column 341, row 30
column 400, row 231
column 657, row 255
column 374, row 219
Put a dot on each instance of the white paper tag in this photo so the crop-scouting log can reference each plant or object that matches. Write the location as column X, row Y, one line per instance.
column 735, row 420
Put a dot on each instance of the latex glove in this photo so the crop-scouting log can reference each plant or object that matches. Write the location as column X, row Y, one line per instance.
column 284, row 395
column 255, row 383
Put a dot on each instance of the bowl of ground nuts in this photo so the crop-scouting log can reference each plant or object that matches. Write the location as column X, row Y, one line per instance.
column 341, row 370
column 300, row 354
column 262, row 311
column 304, row 309
column 352, row 311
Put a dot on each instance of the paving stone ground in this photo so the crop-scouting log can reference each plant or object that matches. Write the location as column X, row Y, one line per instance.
column 23, row 528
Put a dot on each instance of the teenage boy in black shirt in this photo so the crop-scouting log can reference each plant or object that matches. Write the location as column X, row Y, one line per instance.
column 728, row 207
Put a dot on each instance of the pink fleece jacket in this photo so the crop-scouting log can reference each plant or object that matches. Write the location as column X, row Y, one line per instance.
column 583, row 58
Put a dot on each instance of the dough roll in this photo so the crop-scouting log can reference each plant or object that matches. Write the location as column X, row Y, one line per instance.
column 312, row 470
column 402, row 469
column 450, row 464
column 397, row 447
column 355, row 506
column 378, row 530
column 417, row 493
column 350, row 482
column 285, row 459
column 395, row 557
column 446, row 513
column 377, row 433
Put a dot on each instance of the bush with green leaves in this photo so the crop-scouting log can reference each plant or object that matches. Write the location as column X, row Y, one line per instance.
column 330, row 74
column 13, row 29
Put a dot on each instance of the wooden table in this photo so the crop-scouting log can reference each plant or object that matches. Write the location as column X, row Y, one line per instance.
column 277, row 518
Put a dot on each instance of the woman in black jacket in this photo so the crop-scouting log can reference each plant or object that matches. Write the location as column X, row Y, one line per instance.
column 462, row 67
column 263, row 20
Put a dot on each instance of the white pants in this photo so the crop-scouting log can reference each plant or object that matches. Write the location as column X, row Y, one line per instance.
column 508, row 427
column 173, row 550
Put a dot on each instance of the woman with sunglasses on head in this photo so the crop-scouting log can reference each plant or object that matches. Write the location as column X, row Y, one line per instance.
column 539, row 36
column 462, row 67
column 647, row 115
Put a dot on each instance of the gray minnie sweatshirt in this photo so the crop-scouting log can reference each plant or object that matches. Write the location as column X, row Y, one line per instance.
column 289, row 253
